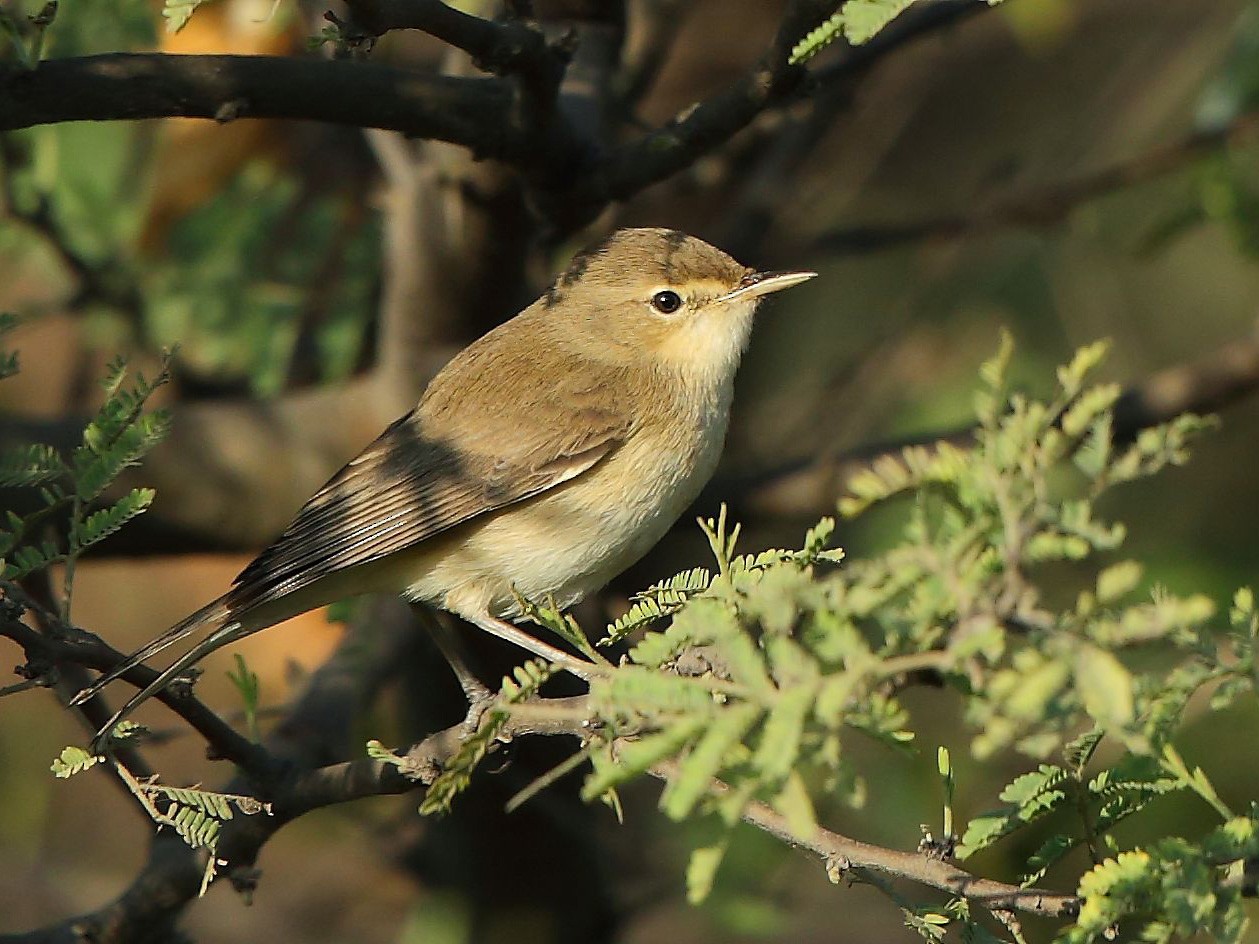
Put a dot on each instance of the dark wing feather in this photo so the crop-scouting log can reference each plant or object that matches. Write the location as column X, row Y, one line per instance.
column 404, row 488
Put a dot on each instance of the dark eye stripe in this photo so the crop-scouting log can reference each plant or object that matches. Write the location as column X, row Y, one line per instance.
column 666, row 302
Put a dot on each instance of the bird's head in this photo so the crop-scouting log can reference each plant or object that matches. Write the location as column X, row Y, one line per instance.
column 666, row 295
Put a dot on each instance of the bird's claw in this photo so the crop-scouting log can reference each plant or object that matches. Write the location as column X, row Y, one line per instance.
column 480, row 699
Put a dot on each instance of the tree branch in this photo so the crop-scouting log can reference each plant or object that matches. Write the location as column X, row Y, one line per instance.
column 165, row 886
column 811, row 485
column 73, row 646
column 1050, row 206
column 243, row 837
column 484, row 115
column 843, row 854
column 504, row 48
column 467, row 111
column 761, row 181
column 920, row 20
column 665, row 151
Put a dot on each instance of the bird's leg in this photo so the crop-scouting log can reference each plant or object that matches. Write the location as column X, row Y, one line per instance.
column 479, row 697
column 505, row 630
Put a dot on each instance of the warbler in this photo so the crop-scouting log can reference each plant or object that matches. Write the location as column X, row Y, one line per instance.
column 542, row 461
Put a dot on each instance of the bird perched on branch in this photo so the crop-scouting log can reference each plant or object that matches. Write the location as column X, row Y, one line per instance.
column 542, row 461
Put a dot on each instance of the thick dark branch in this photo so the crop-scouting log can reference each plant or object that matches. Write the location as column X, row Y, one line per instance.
column 144, row 913
column 708, row 125
column 470, row 112
column 505, row 48
column 485, row 115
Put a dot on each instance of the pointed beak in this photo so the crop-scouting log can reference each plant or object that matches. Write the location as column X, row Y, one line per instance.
column 756, row 284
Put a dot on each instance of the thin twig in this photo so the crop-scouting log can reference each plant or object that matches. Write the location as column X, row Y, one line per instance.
column 73, row 646
column 339, row 783
column 841, row 854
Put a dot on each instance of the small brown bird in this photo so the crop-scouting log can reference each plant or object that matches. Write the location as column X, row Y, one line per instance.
column 542, row 461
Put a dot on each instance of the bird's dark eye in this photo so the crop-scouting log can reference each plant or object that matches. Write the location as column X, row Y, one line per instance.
column 666, row 302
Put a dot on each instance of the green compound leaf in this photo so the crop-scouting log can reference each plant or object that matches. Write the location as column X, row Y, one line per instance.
column 24, row 466
column 714, row 750
column 73, row 760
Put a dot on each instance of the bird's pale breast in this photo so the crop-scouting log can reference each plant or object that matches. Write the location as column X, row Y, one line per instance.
column 574, row 538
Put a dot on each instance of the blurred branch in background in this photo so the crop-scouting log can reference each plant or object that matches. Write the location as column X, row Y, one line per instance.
column 811, row 486
column 109, row 284
column 1050, row 206
column 800, row 488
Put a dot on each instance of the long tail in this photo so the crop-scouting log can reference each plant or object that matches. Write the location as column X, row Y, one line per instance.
column 215, row 615
column 225, row 634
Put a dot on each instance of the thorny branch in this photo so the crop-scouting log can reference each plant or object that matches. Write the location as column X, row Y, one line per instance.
column 165, row 885
column 166, row 879
column 47, row 653
column 842, row 854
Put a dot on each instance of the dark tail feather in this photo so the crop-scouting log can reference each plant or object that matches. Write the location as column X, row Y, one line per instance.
column 211, row 613
column 224, row 635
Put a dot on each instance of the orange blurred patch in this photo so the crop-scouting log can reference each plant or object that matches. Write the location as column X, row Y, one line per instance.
column 196, row 157
column 128, row 602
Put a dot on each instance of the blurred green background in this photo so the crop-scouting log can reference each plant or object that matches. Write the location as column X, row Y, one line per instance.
column 257, row 247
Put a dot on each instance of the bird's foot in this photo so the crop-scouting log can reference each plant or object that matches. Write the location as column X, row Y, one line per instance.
column 480, row 699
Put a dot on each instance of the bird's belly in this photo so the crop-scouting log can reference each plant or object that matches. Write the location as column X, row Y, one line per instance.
column 570, row 540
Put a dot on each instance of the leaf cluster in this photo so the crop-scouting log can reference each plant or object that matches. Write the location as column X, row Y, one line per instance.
column 858, row 21
column 768, row 665
column 72, row 509
column 197, row 816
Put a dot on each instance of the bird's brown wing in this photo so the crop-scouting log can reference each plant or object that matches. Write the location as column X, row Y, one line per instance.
column 469, row 448
column 411, row 484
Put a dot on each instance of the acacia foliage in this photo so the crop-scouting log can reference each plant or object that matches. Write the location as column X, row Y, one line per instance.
column 74, row 489
column 745, row 682
column 758, row 674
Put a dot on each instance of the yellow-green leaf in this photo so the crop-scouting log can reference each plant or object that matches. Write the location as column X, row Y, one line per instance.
column 1105, row 686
